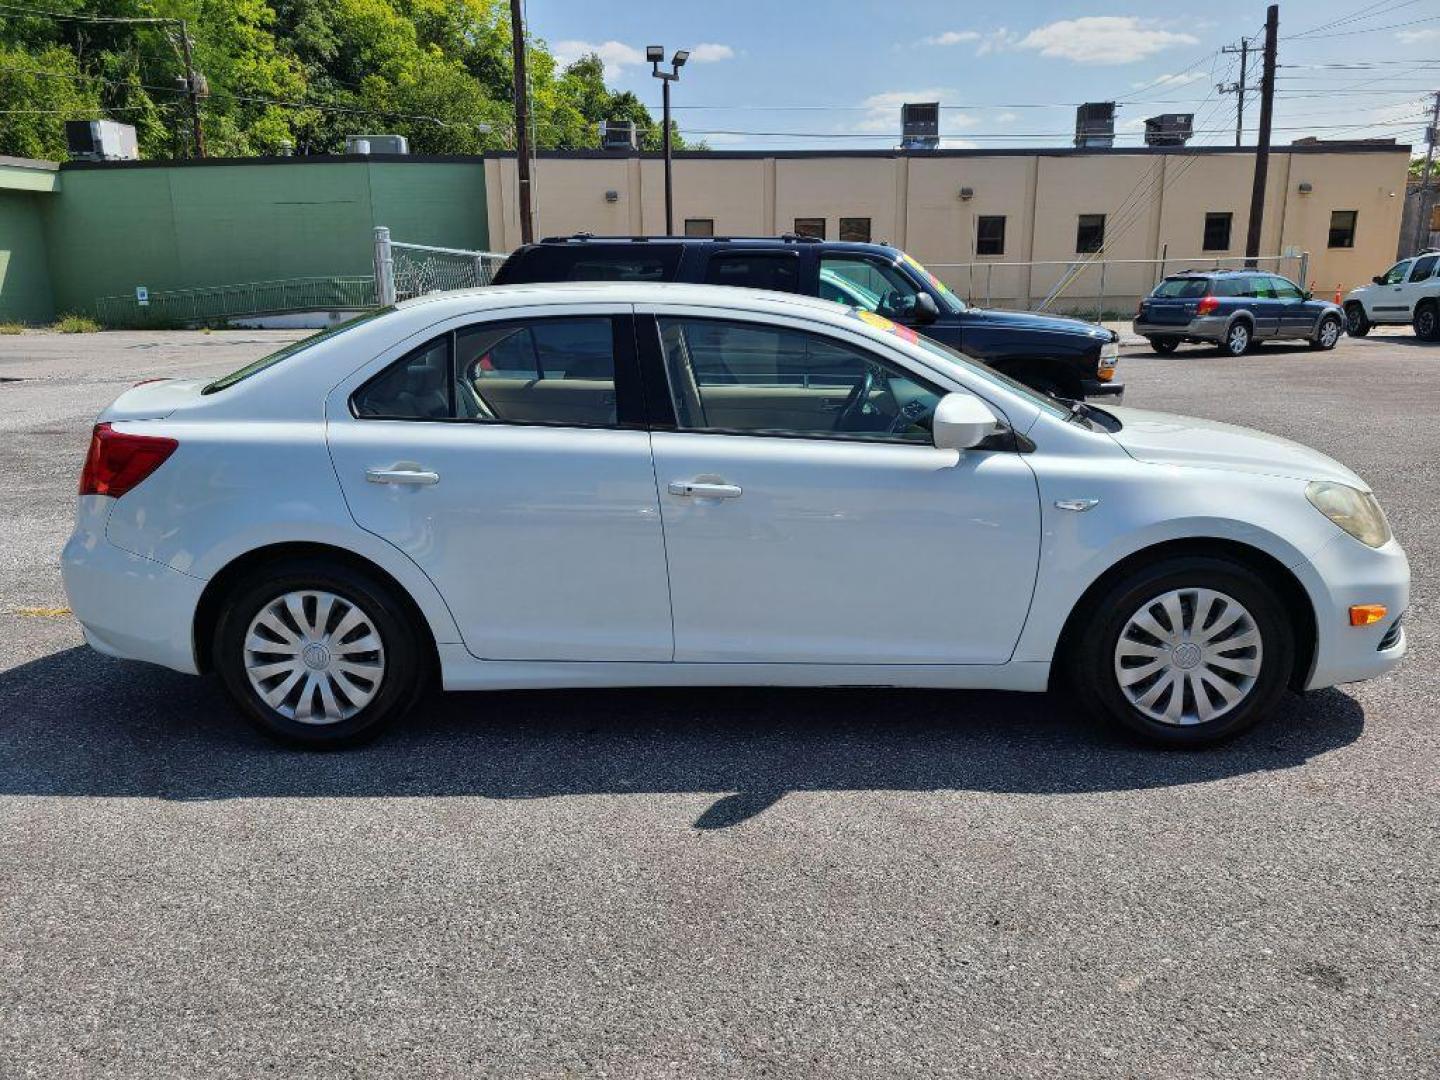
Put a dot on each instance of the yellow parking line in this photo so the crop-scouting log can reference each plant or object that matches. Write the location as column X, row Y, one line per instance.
column 43, row 612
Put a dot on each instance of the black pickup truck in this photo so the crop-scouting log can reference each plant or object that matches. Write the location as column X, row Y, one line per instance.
column 1065, row 357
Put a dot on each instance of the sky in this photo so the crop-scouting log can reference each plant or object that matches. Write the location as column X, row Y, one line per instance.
column 770, row 74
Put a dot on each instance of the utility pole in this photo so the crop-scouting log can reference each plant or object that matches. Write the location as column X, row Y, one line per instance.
column 1238, row 86
column 1262, row 147
column 192, row 90
column 1423, row 200
column 522, row 123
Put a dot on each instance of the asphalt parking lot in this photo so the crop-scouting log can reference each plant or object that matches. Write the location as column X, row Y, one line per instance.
column 719, row 883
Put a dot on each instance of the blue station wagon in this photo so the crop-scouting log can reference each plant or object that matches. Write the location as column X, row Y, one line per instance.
column 1233, row 309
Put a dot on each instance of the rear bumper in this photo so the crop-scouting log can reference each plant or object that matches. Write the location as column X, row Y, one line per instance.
column 128, row 606
column 1209, row 328
column 1346, row 572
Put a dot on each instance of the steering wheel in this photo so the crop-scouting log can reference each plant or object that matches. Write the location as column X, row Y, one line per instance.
column 854, row 406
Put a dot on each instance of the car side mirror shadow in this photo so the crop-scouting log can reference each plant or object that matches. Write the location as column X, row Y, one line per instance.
column 926, row 310
column 962, row 421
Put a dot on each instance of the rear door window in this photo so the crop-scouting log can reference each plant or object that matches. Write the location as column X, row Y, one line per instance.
column 777, row 270
column 1424, row 267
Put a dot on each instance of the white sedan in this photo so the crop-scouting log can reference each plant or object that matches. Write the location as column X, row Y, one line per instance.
column 619, row 484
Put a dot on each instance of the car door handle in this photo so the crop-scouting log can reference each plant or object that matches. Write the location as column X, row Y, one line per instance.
column 701, row 489
column 402, row 476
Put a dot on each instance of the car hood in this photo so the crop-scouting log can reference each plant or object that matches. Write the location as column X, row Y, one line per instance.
column 1166, row 439
column 1052, row 324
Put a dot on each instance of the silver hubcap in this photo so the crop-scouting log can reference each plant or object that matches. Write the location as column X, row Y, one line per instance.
column 1239, row 339
column 1329, row 333
column 1188, row 657
column 314, row 657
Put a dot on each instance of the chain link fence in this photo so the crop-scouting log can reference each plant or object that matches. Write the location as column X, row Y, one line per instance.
column 403, row 270
column 220, row 303
column 1094, row 288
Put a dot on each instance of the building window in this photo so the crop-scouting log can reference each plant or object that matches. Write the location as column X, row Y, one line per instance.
column 990, row 235
column 855, row 230
column 1090, row 233
column 1217, row 232
column 1342, row 228
column 699, row 226
column 810, row 226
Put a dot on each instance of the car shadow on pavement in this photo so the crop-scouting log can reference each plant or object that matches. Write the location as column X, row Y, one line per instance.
column 78, row 724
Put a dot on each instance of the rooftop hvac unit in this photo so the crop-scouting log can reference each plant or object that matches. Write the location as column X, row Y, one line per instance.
column 101, row 140
column 1169, row 129
column 377, row 144
column 920, row 126
column 618, row 135
column 1095, row 124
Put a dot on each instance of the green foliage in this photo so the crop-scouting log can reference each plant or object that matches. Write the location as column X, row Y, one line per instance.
column 302, row 72
column 8, row 328
column 75, row 324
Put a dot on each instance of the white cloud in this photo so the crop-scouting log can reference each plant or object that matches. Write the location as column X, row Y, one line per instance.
column 708, row 52
column 1103, row 39
column 997, row 41
column 951, row 37
column 1414, row 37
column 615, row 55
column 1170, row 80
column 1006, row 118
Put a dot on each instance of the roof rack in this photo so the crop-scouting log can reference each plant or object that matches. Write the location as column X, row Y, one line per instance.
column 789, row 238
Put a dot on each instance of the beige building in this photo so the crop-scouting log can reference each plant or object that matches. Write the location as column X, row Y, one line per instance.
column 1001, row 226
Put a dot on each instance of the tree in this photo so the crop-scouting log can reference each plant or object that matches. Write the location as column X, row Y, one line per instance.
column 299, row 72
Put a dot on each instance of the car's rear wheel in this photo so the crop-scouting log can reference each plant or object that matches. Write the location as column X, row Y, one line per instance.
column 1186, row 652
column 1357, row 323
column 1237, row 339
column 1328, row 334
column 318, row 654
column 1164, row 346
column 1427, row 321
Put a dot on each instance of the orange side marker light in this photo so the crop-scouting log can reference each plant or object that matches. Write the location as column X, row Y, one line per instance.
column 1366, row 614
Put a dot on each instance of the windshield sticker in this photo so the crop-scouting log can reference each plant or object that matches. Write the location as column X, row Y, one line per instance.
column 926, row 274
column 879, row 322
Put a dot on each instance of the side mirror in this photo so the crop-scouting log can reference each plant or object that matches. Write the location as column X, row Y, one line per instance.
column 1308, row 295
column 1379, row 279
column 926, row 311
column 962, row 421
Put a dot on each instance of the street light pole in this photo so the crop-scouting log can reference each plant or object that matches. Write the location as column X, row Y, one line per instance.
column 656, row 54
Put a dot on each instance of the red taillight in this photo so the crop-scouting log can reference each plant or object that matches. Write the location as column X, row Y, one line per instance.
column 1208, row 305
column 118, row 461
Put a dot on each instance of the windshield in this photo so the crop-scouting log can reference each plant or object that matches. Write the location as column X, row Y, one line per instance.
column 257, row 366
column 990, row 375
column 947, row 298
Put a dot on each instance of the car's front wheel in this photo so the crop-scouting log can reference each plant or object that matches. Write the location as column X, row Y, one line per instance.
column 1357, row 323
column 318, row 654
column 1237, row 339
column 1427, row 321
column 1328, row 334
column 1186, row 652
column 1164, row 346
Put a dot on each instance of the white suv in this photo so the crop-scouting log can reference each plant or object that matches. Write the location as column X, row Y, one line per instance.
column 1392, row 297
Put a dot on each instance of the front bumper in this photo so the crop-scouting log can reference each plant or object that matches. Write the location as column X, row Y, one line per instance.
column 1112, row 391
column 1343, row 573
column 128, row 606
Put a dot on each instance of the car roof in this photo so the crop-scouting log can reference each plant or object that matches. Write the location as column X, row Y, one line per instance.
column 784, row 240
column 486, row 297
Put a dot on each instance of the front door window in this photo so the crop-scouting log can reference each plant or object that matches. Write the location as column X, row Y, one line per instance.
column 870, row 285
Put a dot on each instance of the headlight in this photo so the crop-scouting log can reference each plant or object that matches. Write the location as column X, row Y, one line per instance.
column 1353, row 510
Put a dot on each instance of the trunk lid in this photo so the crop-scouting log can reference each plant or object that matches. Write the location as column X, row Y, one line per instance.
column 1168, row 311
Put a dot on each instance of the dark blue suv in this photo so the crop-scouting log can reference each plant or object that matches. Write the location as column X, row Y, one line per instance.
column 1234, row 309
